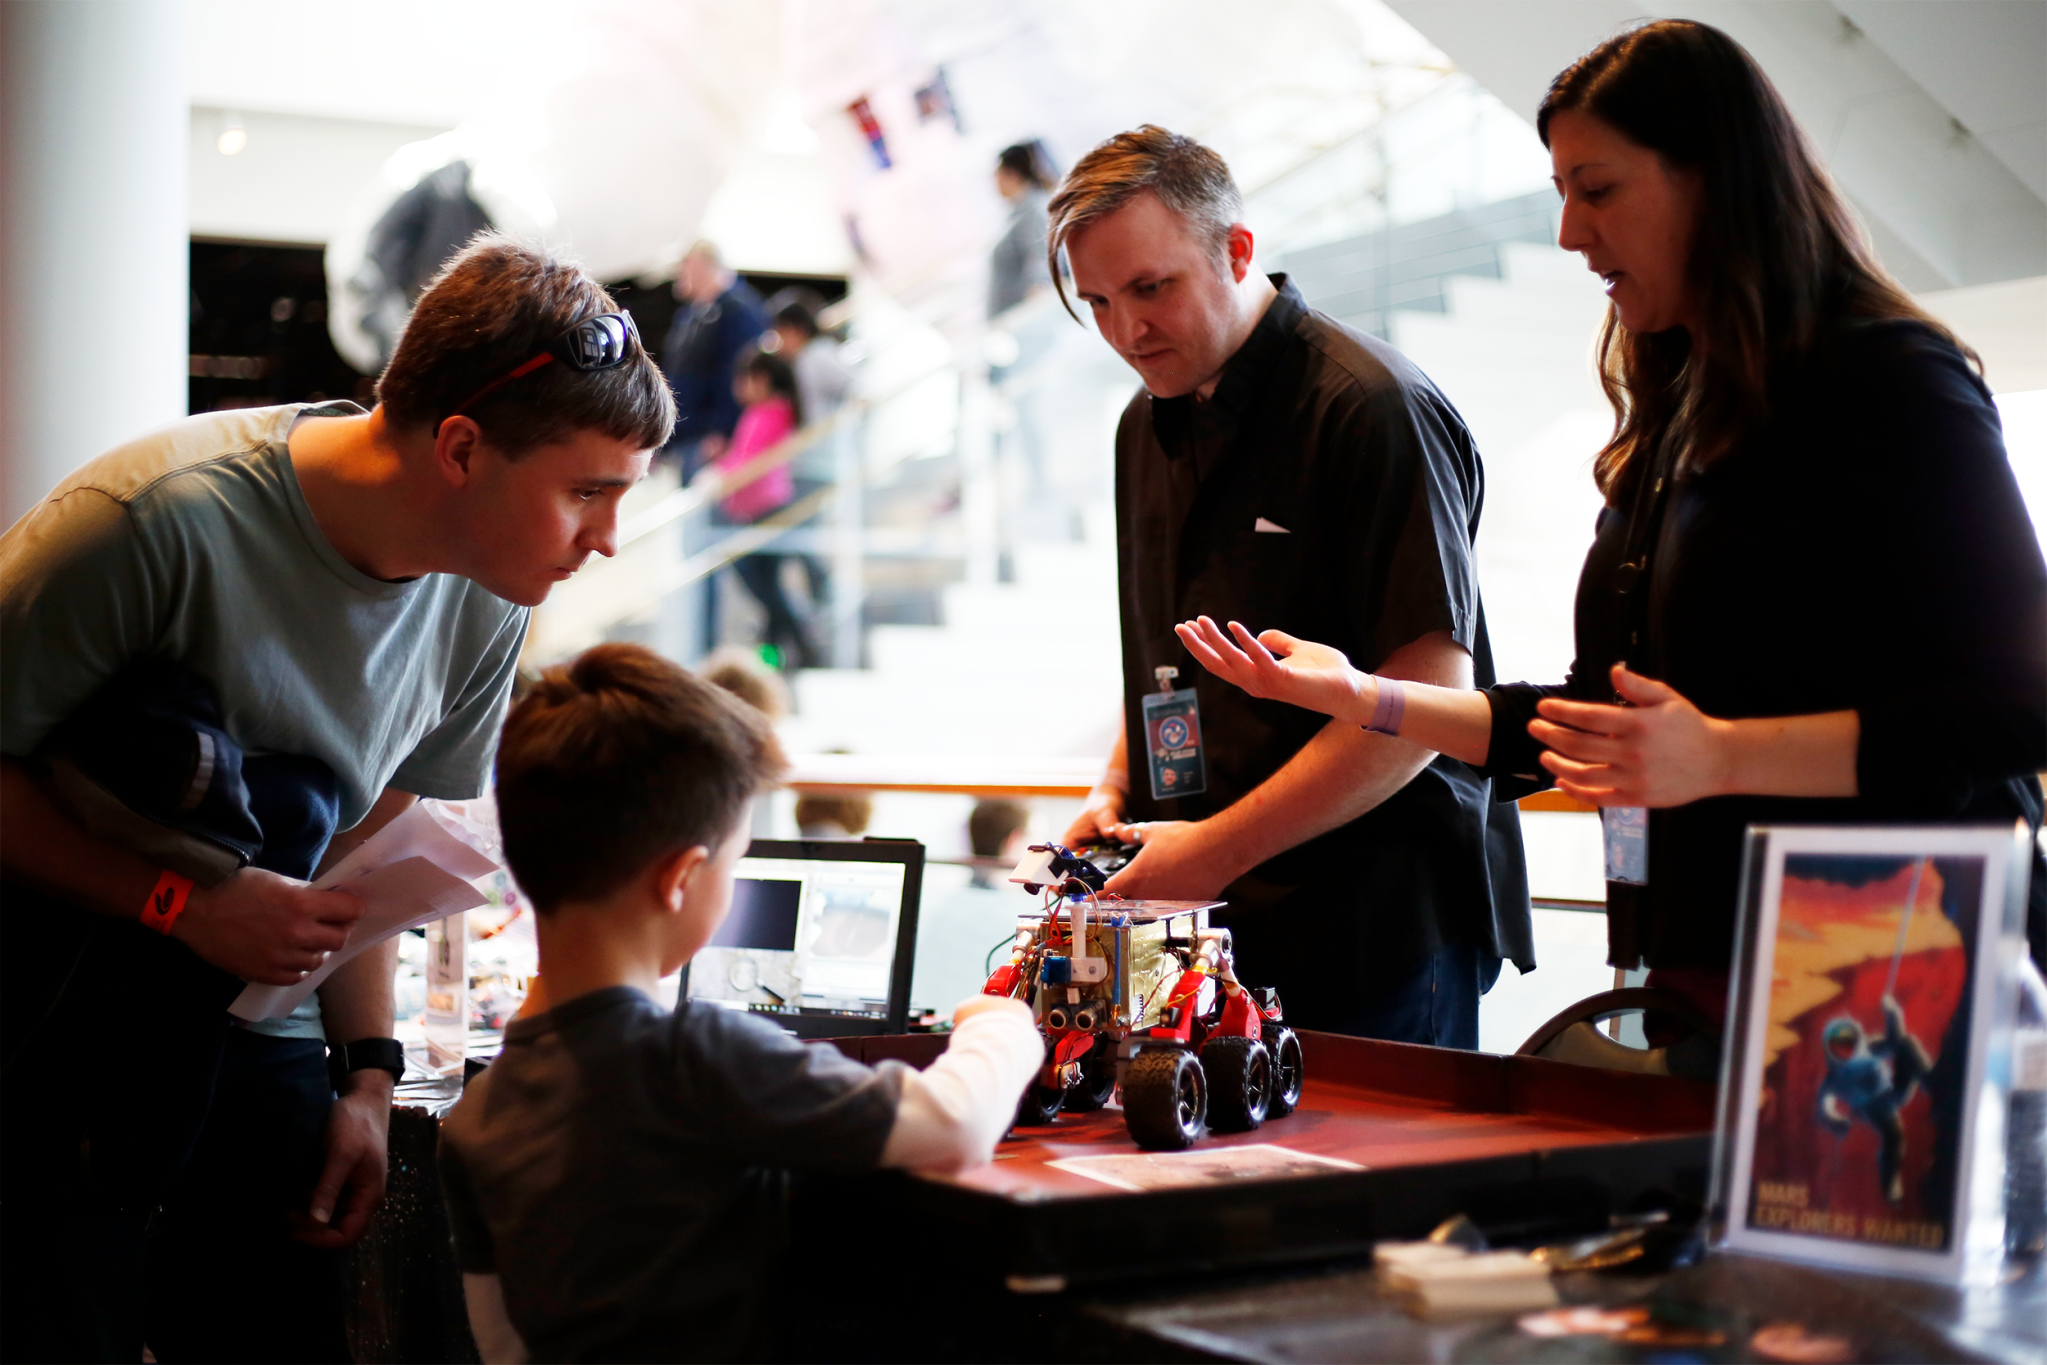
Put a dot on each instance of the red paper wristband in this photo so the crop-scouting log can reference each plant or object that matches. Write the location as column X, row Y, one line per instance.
column 167, row 902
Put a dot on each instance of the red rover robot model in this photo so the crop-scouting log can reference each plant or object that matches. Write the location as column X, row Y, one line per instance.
column 1144, row 996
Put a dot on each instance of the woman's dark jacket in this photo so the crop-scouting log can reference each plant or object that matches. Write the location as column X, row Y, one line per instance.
column 1866, row 550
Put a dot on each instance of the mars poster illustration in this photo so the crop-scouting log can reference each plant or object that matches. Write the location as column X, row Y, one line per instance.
column 1865, row 1053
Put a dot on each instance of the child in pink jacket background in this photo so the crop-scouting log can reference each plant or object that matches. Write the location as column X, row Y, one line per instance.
column 772, row 411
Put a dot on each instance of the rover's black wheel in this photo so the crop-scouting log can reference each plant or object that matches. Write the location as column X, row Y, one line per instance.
column 1039, row 1106
column 1097, row 1078
column 1239, row 1074
column 1165, row 1099
column 1288, row 1072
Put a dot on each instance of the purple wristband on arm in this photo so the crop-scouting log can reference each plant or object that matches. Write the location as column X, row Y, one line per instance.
column 1391, row 707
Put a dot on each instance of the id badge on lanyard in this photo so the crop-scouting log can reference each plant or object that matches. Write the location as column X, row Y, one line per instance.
column 1625, row 829
column 1172, row 739
column 1626, row 832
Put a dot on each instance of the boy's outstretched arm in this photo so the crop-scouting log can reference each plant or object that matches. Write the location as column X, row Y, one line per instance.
column 954, row 1112
column 497, row 1341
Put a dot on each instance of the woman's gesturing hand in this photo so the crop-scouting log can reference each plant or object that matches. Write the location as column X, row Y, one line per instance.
column 1277, row 666
column 1660, row 751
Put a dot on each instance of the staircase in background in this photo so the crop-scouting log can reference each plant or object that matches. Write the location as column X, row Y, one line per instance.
column 1364, row 280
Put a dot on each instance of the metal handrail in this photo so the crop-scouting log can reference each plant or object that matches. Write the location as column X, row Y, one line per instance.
column 704, row 491
column 715, row 484
column 738, row 545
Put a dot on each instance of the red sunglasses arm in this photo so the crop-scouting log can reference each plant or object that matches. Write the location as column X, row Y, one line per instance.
column 525, row 369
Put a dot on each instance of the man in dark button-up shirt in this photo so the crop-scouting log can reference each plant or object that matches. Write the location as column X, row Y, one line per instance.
column 1281, row 470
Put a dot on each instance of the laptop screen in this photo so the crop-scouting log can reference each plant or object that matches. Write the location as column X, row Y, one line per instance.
column 820, row 936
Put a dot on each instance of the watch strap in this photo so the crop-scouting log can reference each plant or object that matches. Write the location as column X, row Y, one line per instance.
column 365, row 1054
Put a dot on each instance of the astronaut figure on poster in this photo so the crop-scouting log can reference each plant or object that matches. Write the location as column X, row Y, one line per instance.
column 1859, row 1119
column 1873, row 1082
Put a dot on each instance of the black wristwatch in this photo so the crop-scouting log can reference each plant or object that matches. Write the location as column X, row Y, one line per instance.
column 365, row 1054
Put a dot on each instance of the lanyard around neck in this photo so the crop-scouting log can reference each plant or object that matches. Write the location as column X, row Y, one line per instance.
column 1645, row 524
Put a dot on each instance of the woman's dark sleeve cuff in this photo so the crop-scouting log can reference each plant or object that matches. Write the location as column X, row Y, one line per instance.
column 1512, row 756
column 1923, row 754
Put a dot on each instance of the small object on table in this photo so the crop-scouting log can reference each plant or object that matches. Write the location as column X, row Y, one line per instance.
column 1791, row 1341
column 1392, row 1256
column 1580, row 1320
column 1602, row 1251
column 447, row 995
column 1460, row 1231
column 1449, row 1282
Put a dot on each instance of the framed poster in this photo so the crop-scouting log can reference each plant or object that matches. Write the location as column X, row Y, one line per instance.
column 1871, row 967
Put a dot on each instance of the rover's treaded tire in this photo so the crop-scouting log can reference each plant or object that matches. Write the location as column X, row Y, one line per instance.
column 1165, row 1099
column 1039, row 1106
column 1240, row 1078
column 1097, row 1078
column 1288, row 1070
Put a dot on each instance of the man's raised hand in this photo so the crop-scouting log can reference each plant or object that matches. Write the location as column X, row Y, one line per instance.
column 265, row 928
column 1277, row 666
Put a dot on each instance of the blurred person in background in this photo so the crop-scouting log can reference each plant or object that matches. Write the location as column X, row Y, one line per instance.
column 741, row 672
column 720, row 319
column 841, row 816
column 995, row 829
column 1017, row 269
column 772, row 411
column 822, row 376
column 1018, row 337
column 963, row 925
column 823, row 382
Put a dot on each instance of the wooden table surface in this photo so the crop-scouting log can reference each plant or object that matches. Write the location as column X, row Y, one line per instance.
column 1381, row 1105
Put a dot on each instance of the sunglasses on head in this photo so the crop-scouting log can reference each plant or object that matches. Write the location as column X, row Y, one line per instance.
column 603, row 342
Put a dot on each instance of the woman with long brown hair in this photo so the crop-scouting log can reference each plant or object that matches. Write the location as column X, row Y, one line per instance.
column 1814, row 594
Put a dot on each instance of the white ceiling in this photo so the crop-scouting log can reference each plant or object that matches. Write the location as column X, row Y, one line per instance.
column 432, row 62
column 1929, row 112
column 651, row 119
column 1985, row 61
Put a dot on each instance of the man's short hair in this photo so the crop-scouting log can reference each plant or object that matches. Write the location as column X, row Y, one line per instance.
column 1187, row 178
column 494, row 306
column 619, row 758
column 704, row 249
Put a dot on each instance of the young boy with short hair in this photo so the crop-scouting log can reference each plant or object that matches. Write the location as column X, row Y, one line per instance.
column 615, row 1178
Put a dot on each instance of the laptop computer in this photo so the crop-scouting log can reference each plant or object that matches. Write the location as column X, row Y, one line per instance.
column 820, row 937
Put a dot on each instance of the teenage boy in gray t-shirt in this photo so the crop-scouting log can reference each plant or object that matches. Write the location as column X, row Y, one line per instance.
column 614, row 1180
column 353, row 588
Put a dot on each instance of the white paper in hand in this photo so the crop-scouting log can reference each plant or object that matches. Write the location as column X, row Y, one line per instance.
column 411, row 871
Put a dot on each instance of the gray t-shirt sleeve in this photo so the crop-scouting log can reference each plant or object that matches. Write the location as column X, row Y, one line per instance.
column 475, row 1250
column 80, row 599
column 452, row 761
column 770, row 1100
